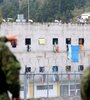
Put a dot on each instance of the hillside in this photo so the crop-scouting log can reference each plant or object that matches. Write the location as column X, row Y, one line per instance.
column 44, row 10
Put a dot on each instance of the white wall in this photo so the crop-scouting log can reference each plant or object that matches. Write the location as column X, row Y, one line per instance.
column 45, row 52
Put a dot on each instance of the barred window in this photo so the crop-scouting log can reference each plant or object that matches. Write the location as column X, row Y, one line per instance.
column 55, row 68
column 68, row 40
column 55, row 41
column 68, row 68
column 27, row 41
column 80, row 68
column 81, row 41
column 41, row 69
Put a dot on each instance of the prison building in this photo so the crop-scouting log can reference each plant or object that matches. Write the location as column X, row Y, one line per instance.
column 51, row 48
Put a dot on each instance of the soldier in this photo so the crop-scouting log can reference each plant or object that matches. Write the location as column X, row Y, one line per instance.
column 85, row 85
column 10, row 37
column 9, row 71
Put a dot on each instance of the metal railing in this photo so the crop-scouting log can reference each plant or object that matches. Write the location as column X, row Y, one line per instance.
column 69, row 82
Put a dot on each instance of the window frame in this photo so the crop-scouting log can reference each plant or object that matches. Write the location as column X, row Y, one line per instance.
column 41, row 69
column 79, row 68
column 28, row 40
column 55, row 40
column 42, row 41
column 55, row 69
column 69, row 68
column 68, row 41
column 81, row 39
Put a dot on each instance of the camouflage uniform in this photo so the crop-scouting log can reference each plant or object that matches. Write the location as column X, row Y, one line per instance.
column 9, row 72
column 85, row 85
column 3, row 39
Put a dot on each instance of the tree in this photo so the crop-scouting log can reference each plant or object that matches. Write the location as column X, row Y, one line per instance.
column 80, row 3
column 49, row 10
column 66, row 7
column 1, row 18
column 1, row 1
column 9, row 8
column 42, row 10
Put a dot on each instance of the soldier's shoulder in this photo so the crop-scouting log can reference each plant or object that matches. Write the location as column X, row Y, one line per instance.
column 2, row 46
column 86, row 72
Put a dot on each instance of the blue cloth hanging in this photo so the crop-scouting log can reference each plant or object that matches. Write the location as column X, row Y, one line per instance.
column 75, row 50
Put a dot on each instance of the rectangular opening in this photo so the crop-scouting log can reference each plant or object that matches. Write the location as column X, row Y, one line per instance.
column 55, row 41
column 68, row 68
column 68, row 40
column 27, row 41
column 27, row 69
column 41, row 69
column 42, row 41
column 81, row 41
column 14, row 44
column 80, row 68
column 55, row 68
column 64, row 90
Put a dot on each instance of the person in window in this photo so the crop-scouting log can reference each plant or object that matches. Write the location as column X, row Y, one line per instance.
column 9, row 71
column 85, row 85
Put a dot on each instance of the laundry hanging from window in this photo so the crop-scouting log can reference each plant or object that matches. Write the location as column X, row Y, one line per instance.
column 73, row 53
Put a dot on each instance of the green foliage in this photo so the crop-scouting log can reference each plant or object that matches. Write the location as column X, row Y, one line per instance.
column 1, row 20
column 66, row 7
column 9, row 8
column 88, row 21
column 80, row 3
column 42, row 10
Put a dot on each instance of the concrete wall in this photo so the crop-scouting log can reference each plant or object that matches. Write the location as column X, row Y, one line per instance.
column 43, row 55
